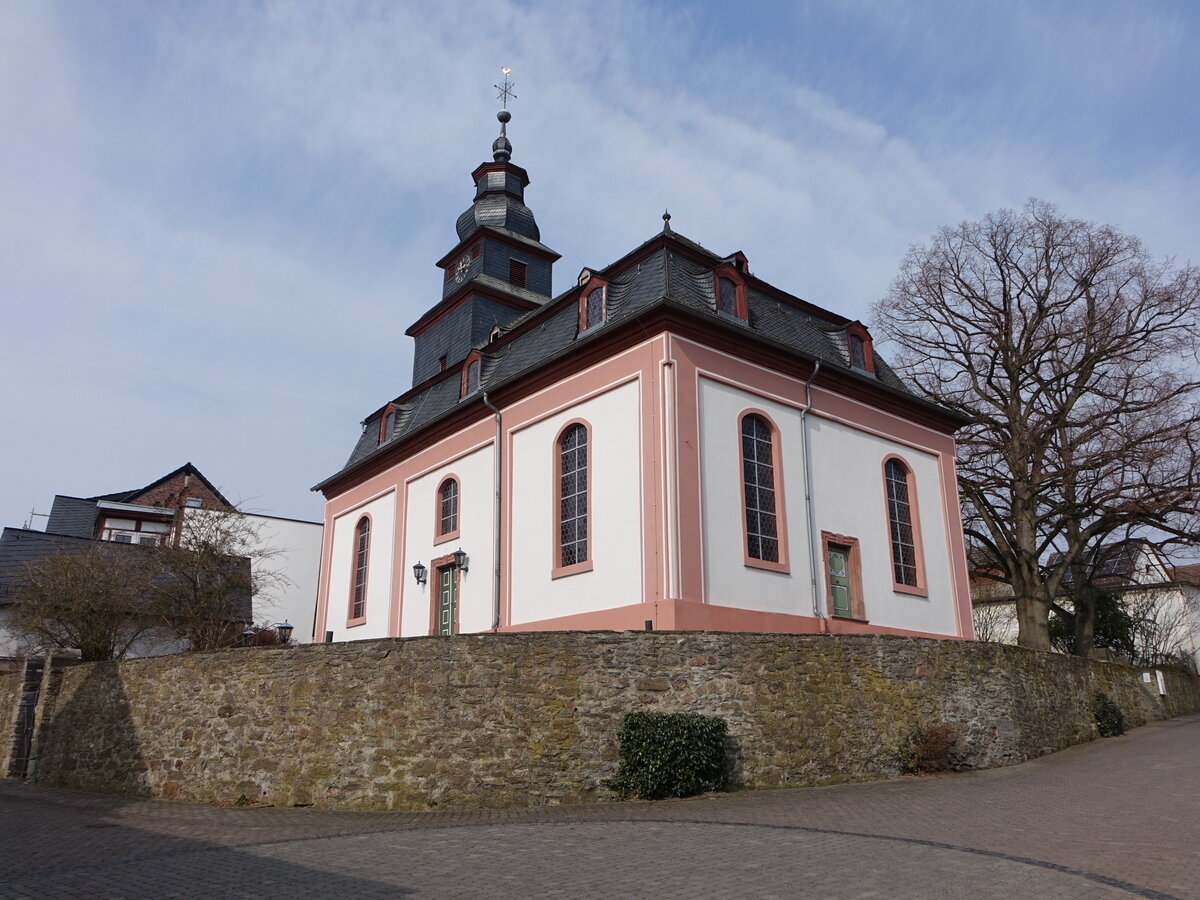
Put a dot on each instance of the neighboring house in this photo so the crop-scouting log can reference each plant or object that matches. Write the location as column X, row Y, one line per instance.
column 153, row 515
column 672, row 443
column 1164, row 601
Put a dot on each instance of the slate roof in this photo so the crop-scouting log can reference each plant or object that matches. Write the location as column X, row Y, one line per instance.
column 186, row 469
column 73, row 516
column 677, row 274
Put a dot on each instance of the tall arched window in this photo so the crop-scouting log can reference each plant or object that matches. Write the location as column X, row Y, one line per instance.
column 573, row 496
column 362, row 544
column 906, row 547
column 448, row 508
column 759, row 489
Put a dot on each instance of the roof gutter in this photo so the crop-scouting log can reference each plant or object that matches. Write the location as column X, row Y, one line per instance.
column 806, row 453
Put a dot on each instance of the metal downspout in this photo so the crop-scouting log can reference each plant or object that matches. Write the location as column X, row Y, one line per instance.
column 806, row 452
column 495, row 521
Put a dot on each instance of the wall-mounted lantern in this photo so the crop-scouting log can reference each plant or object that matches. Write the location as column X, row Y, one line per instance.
column 284, row 630
column 460, row 560
column 419, row 573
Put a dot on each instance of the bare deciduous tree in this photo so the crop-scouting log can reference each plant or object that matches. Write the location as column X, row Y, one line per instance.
column 1074, row 353
column 203, row 585
column 91, row 597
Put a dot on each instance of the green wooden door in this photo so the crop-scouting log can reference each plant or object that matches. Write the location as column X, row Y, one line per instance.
column 447, row 600
column 839, row 579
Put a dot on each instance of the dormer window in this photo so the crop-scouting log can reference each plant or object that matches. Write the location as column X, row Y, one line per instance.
column 858, row 348
column 729, row 292
column 387, row 424
column 593, row 304
column 858, row 352
column 495, row 333
column 727, row 296
column 470, row 374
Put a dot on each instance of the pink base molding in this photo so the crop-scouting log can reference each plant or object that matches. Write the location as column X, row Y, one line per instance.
column 687, row 615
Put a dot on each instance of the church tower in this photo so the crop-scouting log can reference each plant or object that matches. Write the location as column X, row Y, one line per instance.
column 498, row 270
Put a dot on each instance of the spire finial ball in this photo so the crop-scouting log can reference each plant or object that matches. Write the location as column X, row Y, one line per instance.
column 504, row 116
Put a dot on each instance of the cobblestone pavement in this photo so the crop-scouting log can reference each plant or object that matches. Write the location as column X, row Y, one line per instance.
column 1115, row 818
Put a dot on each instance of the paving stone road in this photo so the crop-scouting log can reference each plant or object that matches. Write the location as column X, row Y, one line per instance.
column 1115, row 818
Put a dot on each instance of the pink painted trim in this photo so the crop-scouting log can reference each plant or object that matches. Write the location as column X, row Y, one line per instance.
column 780, row 565
column 399, row 531
column 351, row 620
column 438, row 537
column 858, row 612
column 557, row 569
column 920, row 589
column 685, row 615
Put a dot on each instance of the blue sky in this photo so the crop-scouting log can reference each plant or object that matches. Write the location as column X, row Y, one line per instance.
column 218, row 219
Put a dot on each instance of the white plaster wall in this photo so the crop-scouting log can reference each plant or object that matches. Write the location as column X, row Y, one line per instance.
column 848, row 498
column 379, row 570
column 615, row 456
column 476, row 491
column 296, row 555
column 728, row 581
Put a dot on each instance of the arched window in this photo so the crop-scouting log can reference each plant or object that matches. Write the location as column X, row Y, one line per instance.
column 387, row 425
column 906, row 546
column 594, row 314
column 448, row 509
column 759, row 486
column 362, row 545
column 727, row 296
column 573, row 496
column 858, row 348
column 470, row 374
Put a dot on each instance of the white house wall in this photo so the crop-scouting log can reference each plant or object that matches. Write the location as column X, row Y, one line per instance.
column 382, row 511
column 475, row 474
column 294, row 549
column 615, row 458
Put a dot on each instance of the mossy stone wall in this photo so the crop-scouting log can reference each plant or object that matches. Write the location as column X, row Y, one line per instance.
column 526, row 719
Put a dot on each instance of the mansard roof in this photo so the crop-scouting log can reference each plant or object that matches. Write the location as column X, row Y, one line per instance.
column 668, row 272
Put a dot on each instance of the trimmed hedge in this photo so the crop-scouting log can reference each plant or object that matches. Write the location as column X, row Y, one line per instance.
column 670, row 755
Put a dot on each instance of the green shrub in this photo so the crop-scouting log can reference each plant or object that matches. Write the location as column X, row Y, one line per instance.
column 928, row 748
column 670, row 755
column 1107, row 715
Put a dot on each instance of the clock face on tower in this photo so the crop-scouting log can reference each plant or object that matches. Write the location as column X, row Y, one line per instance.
column 460, row 269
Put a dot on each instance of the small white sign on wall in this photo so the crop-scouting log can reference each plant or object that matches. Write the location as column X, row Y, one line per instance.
column 1162, row 684
column 1146, row 677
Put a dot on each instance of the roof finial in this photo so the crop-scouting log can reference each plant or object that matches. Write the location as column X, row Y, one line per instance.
column 501, row 148
column 666, row 222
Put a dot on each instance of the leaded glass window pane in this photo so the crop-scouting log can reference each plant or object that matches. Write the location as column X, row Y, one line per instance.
column 595, row 308
column 573, row 524
column 361, row 544
column 904, row 549
column 858, row 352
column 758, row 481
column 448, row 508
column 727, row 296
column 472, row 377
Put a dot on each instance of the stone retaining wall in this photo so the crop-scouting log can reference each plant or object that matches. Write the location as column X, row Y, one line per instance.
column 527, row 719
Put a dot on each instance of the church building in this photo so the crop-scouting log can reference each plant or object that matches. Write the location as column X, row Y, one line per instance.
column 669, row 444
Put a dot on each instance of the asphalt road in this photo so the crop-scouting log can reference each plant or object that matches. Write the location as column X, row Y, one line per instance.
column 1115, row 818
